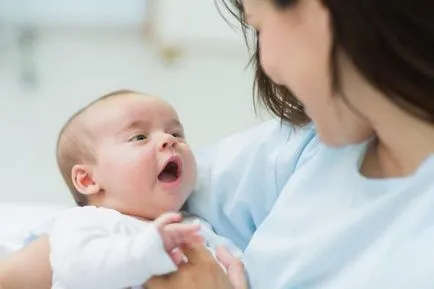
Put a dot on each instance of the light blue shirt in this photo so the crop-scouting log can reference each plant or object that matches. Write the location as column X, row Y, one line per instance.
column 306, row 217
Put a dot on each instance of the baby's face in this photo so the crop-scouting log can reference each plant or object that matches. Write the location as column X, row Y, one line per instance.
column 144, row 165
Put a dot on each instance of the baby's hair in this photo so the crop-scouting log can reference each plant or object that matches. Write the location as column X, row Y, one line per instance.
column 74, row 144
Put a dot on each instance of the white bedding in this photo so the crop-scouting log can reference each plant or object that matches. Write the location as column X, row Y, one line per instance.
column 20, row 221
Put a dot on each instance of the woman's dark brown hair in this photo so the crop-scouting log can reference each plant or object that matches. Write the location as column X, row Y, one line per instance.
column 391, row 42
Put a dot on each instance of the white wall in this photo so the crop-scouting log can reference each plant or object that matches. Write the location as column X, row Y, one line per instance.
column 212, row 93
column 194, row 23
column 113, row 13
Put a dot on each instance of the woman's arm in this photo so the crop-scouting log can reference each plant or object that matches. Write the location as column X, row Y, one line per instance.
column 27, row 268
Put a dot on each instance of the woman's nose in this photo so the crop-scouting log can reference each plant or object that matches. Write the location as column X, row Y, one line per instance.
column 167, row 142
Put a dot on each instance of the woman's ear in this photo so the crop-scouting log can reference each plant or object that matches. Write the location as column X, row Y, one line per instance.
column 82, row 178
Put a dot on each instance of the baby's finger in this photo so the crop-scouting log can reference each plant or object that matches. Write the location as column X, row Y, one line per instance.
column 177, row 256
column 179, row 231
column 196, row 239
column 198, row 254
column 182, row 233
column 168, row 218
column 192, row 240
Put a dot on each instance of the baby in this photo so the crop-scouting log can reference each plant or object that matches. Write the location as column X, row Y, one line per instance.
column 125, row 159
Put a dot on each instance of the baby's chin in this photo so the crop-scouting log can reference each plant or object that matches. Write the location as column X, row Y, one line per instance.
column 149, row 211
column 150, row 216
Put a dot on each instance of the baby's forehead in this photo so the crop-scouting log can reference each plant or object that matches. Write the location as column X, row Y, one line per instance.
column 134, row 100
column 126, row 108
column 140, row 104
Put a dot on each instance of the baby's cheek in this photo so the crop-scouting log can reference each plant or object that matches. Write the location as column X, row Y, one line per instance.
column 193, row 165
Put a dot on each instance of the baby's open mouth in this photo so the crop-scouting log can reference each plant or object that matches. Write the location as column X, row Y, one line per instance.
column 171, row 172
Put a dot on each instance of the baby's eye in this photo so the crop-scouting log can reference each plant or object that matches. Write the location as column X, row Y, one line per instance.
column 138, row 137
column 177, row 135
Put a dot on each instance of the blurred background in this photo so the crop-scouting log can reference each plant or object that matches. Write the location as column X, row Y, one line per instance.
column 56, row 56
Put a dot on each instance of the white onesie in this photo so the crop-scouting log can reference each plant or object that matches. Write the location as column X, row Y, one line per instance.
column 102, row 248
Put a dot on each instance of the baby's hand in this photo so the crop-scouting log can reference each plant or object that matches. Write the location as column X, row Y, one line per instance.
column 176, row 234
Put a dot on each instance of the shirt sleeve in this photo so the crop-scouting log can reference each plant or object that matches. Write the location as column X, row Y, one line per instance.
column 240, row 178
column 87, row 251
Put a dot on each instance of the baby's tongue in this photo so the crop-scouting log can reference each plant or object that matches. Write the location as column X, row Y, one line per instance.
column 167, row 177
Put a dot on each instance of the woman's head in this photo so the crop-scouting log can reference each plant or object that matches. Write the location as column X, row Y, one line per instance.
column 326, row 60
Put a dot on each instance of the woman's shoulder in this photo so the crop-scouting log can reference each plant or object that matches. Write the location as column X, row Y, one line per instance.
column 271, row 151
column 265, row 142
column 272, row 132
column 240, row 177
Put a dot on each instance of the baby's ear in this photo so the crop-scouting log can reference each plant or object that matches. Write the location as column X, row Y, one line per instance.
column 83, row 180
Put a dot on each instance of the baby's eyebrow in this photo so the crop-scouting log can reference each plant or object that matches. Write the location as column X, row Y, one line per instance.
column 175, row 122
column 135, row 124
column 132, row 125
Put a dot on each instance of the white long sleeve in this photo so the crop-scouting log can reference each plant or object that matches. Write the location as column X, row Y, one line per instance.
column 101, row 248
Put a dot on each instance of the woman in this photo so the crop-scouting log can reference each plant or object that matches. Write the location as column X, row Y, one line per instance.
column 343, row 203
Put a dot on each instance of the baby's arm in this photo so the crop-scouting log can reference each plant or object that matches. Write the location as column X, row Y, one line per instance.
column 86, row 254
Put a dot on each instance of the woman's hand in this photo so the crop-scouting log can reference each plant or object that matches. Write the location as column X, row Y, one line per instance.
column 27, row 268
column 234, row 268
column 203, row 272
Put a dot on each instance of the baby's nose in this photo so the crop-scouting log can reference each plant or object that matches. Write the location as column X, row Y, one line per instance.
column 167, row 141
